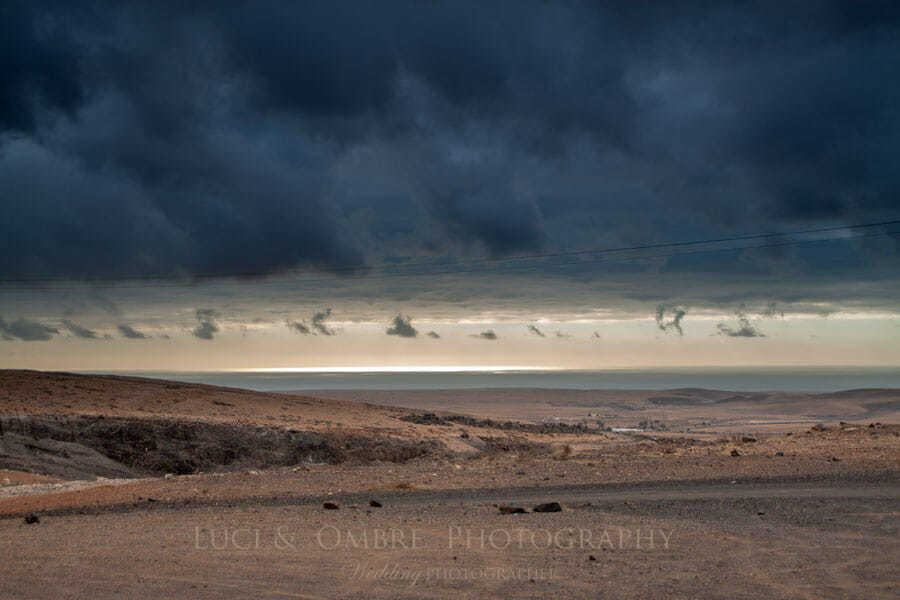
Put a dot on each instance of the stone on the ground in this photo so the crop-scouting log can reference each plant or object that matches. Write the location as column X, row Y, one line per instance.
column 512, row 510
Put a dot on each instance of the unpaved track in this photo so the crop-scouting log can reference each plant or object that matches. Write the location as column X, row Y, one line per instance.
column 823, row 538
column 884, row 486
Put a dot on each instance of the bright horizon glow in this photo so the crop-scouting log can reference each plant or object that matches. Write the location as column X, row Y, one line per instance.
column 399, row 369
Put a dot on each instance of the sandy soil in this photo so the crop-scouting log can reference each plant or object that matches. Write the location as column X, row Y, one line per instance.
column 728, row 509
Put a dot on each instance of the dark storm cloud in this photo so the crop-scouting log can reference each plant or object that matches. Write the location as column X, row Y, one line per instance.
column 401, row 326
column 79, row 331
column 26, row 330
column 533, row 329
column 668, row 318
column 208, row 326
column 743, row 328
column 130, row 332
column 486, row 335
column 39, row 66
column 250, row 138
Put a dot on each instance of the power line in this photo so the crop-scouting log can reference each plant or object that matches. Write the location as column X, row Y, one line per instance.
column 444, row 268
column 365, row 269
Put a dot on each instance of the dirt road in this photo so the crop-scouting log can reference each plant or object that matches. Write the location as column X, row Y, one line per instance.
column 783, row 539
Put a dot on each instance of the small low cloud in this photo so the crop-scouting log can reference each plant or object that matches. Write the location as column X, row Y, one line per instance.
column 668, row 318
column 433, row 334
column 318, row 322
column 300, row 327
column 401, row 327
column 772, row 311
column 744, row 328
column 26, row 330
column 130, row 332
column 533, row 329
column 561, row 334
column 486, row 335
column 208, row 327
column 79, row 331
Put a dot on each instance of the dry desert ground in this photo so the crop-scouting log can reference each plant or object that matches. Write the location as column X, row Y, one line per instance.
column 115, row 487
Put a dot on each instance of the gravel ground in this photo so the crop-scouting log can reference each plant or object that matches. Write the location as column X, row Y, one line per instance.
column 823, row 539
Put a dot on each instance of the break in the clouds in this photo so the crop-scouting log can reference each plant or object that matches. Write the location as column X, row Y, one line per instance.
column 207, row 327
column 26, row 330
column 130, row 332
column 79, row 331
column 402, row 327
column 250, row 138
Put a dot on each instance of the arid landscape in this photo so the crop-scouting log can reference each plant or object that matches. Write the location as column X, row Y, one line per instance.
column 420, row 299
column 136, row 487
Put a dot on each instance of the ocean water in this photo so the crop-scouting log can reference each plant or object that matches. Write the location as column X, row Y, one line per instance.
column 818, row 379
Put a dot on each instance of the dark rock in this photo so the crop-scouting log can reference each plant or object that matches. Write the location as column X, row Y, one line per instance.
column 32, row 518
column 747, row 439
column 374, row 503
column 735, row 453
column 592, row 557
column 835, row 459
column 548, row 507
column 512, row 510
column 330, row 506
column 779, row 453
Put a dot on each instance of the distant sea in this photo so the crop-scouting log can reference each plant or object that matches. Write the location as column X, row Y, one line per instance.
column 818, row 379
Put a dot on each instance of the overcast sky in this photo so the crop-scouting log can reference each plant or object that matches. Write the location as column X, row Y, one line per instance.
column 255, row 155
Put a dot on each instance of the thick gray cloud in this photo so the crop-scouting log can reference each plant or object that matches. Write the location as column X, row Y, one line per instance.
column 486, row 335
column 79, row 331
column 158, row 139
column 402, row 327
column 668, row 318
column 26, row 330
column 208, row 327
column 130, row 332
